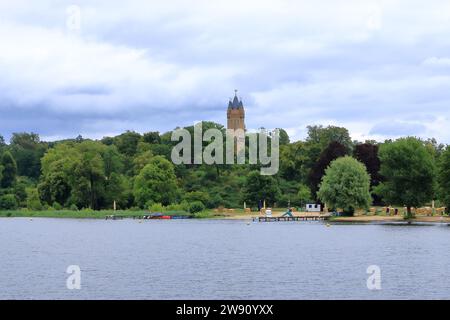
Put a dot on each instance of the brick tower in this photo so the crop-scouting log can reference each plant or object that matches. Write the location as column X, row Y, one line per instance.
column 235, row 114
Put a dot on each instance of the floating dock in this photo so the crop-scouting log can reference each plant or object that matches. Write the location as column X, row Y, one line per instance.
column 294, row 218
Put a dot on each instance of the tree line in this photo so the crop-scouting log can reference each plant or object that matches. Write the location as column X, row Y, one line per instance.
column 134, row 170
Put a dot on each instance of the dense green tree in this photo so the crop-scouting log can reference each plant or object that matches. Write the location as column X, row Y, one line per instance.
column 436, row 149
column 78, row 173
column 57, row 170
column 55, row 187
column 24, row 139
column 9, row 170
column 289, row 193
column 196, row 207
column 113, row 161
column 284, row 137
column 367, row 153
column 444, row 178
column 193, row 196
column 409, row 171
column 152, row 137
column 141, row 160
column 127, row 143
column 89, row 174
column 27, row 150
column 33, row 200
column 304, row 195
column 107, row 141
column 161, row 150
column 156, row 183
column 293, row 160
column 322, row 137
column 346, row 185
column 8, row 202
column 118, row 188
column 20, row 192
column 259, row 187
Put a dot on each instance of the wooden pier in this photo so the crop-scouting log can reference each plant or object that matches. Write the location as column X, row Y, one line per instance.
column 294, row 218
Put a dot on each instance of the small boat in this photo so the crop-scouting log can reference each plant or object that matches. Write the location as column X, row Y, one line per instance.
column 158, row 215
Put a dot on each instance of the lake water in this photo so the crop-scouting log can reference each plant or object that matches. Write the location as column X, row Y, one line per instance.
column 221, row 259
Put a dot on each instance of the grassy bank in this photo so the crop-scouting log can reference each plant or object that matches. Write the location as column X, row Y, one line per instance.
column 91, row 214
column 82, row 214
column 209, row 214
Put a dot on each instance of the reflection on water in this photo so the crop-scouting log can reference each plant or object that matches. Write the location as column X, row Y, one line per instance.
column 217, row 259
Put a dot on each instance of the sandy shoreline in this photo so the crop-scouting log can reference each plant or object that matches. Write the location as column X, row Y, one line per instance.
column 360, row 218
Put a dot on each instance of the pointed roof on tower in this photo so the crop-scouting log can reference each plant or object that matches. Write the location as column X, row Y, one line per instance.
column 236, row 103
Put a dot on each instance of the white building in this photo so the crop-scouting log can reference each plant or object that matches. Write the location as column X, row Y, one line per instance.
column 313, row 207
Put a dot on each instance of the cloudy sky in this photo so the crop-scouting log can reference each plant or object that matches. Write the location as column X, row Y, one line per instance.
column 379, row 68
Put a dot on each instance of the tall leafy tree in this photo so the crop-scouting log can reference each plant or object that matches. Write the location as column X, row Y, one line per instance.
column 323, row 136
column 56, row 181
column 82, row 174
column 55, row 186
column 259, row 187
column 293, row 161
column 304, row 195
column 127, row 142
column 283, row 136
column 9, row 170
column 409, row 171
column 151, row 137
column 27, row 150
column 118, row 188
column 156, row 183
column 367, row 153
column 89, row 173
column 346, row 185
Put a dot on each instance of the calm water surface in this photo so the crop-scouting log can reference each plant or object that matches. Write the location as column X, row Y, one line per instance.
column 217, row 259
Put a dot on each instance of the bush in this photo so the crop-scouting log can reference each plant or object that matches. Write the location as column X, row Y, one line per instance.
column 8, row 202
column 195, row 196
column 156, row 207
column 57, row 206
column 196, row 206
column 73, row 207
column 175, row 207
column 184, row 205
column 33, row 201
column 214, row 202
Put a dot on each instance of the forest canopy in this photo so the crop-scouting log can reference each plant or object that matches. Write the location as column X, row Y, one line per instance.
column 134, row 170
